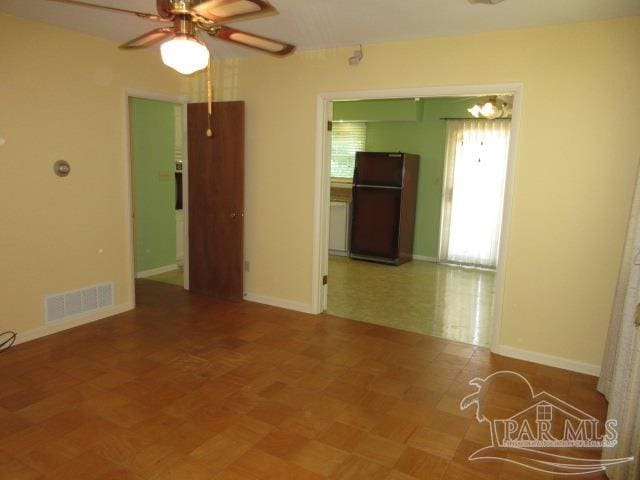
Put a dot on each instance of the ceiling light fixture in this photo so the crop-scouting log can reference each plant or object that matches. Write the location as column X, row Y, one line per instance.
column 184, row 19
column 492, row 108
column 185, row 54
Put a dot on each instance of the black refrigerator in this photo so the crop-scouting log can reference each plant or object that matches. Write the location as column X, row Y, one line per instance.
column 385, row 188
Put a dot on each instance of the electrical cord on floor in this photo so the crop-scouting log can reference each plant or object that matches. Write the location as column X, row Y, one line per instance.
column 6, row 340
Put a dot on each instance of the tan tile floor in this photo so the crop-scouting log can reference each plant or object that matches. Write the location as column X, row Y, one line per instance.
column 174, row 277
column 423, row 297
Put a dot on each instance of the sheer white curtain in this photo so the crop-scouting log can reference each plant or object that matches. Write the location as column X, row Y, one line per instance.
column 620, row 377
column 475, row 175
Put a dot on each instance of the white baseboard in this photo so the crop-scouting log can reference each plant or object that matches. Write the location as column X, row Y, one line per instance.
column 549, row 360
column 157, row 271
column 279, row 302
column 75, row 321
column 425, row 259
column 338, row 253
column 505, row 350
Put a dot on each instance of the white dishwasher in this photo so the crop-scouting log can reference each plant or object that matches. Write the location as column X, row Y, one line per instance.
column 339, row 225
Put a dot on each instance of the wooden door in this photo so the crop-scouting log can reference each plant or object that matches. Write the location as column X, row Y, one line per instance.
column 216, row 200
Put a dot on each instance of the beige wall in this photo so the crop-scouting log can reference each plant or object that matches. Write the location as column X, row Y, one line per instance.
column 61, row 97
column 577, row 155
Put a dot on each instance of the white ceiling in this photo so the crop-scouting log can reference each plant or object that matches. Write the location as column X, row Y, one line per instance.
column 328, row 23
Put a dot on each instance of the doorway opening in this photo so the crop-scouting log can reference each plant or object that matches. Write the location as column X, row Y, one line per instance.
column 158, row 185
column 429, row 260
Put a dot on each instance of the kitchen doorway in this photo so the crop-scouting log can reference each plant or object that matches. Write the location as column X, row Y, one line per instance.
column 158, row 185
column 422, row 294
column 212, row 199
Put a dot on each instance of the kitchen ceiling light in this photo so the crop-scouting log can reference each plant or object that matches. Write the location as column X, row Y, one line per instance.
column 185, row 54
column 475, row 111
column 491, row 109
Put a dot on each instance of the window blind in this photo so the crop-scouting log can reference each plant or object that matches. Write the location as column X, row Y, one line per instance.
column 346, row 140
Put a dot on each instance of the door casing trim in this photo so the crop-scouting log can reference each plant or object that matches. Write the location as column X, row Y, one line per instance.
column 128, row 174
column 322, row 183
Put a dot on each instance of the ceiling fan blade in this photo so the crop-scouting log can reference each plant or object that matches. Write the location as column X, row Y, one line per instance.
column 150, row 38
column 264, row 44
column 164, row 8
column 148, row 16
column 231, row 10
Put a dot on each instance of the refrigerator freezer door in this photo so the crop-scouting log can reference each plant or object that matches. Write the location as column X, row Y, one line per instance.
column 379, row 169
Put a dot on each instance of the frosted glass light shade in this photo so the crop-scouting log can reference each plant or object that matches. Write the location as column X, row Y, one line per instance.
column 475, row 110
column 185, row 55
column 490, row 110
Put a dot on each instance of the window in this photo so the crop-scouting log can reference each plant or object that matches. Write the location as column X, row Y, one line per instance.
column 346, row 140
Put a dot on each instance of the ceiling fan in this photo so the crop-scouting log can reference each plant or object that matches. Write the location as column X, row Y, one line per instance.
column 181, row 48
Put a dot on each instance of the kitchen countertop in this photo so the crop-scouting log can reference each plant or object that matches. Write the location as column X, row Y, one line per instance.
column 341, row 194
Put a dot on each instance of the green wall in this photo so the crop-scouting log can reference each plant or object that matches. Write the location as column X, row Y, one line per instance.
column 426, row 136
column 396, row 110
column 152, row 147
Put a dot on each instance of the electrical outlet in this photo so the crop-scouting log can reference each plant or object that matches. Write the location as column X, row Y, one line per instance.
column 247, row 266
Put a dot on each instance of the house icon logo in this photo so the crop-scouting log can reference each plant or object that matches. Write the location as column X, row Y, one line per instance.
column 533, row 436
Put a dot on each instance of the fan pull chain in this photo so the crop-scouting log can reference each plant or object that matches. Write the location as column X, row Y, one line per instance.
column 209, row 98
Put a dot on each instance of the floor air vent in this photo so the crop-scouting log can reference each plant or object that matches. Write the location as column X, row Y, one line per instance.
column 68, row 304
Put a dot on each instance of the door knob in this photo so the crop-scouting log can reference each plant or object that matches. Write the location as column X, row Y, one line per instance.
column 234, row 215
